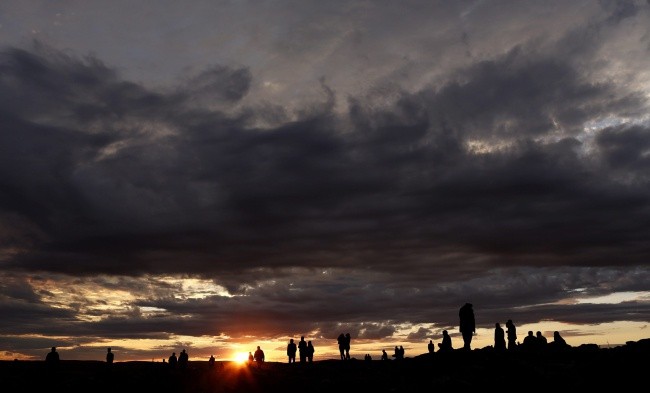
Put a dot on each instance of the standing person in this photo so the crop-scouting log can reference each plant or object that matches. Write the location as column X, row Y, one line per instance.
column 109, row 356
column 302, row 349
column 251, row 358
column 173, row 360
column 341, row 341
column 259, row 356
column 499, row 338
column 347, row 346
column 52, row 360
column 512, row 334
column 211, row 361
column 310, row 352
column 53, row 356
column 467, row 324
column 182, row 360
column 291, row 351
column 431, row 347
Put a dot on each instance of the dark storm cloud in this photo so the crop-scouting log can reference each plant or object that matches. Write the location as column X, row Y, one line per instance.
column 625, row 149
column 116, row 178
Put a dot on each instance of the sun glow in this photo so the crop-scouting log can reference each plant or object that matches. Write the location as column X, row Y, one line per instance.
column 240, row 357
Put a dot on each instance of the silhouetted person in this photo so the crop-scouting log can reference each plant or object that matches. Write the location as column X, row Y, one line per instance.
column 367, row 357
column 558, row 343
column 52, row 361
column 310, row 352
column 541, row 340
column 302, row 349
column 512, row 334
column 530, row 342
column 341, row 341
column 445, row 345
column 259, row 356
column 401, row 352
column 291, row 351
column 251, row 358
column 499, row 338
column 431, row 347
column 182, row 360
column 384, row 355
column 172, row 360
column 396, row 352
column 211, row 361
column 52, row 356
column 467, row 324
column 109, row 356
column 348, row 339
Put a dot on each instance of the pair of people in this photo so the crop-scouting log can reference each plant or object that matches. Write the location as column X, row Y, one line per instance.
column 399, row 352
column 467, row 330
column 344, row 345
column 180, row 361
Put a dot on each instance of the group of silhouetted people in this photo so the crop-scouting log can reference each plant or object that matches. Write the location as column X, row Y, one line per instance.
column 304, row 348
column 52, row 359
column 533, row 342
column 398, row 354
column 503, row 340
column 179, row 362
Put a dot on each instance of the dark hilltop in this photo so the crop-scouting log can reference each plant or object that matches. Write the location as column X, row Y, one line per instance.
column 576, row 368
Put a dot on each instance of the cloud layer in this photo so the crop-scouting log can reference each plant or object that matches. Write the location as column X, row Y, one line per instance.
column 512, row 178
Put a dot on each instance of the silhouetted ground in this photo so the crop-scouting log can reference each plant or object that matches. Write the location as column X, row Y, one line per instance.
column 579, row 368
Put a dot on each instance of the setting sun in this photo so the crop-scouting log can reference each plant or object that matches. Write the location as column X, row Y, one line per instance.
column 240, row 357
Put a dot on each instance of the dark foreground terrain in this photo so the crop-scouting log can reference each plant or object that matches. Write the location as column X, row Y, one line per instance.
column 577, row 369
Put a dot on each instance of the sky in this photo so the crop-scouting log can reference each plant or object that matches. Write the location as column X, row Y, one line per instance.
column 218, row 175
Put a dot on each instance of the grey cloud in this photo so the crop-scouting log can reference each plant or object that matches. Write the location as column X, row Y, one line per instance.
column 218, row 83
column 421, row 334
column 21, row 316
column 625, row 148
column 211, row 188
column 620, row 9
column 297, row 175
